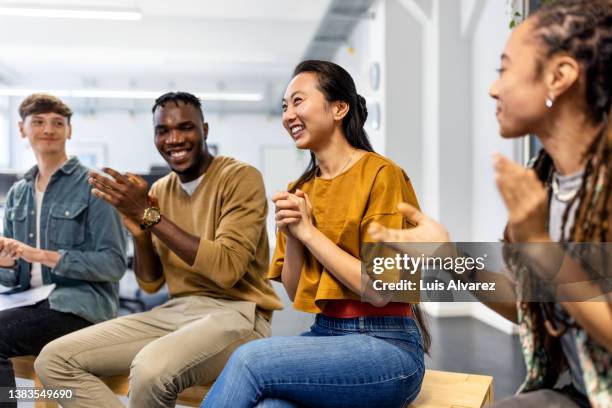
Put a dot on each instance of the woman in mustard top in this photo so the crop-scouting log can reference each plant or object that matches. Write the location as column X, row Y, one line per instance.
column 356, row 354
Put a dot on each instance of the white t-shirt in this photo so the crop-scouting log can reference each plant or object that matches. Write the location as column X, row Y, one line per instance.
column 36, row 272
column 191, row 186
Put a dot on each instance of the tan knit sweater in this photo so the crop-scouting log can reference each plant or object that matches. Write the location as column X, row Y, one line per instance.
column 228, row 212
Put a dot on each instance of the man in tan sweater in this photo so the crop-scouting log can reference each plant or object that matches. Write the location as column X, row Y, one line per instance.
column 201, row 230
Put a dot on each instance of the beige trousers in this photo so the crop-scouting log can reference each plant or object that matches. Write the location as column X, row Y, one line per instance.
column 184, row 342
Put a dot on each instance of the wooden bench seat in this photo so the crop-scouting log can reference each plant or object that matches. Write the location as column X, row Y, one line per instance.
column 440, row 389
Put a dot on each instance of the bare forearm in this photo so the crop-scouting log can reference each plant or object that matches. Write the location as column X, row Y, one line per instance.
column 595, row 317
column 579, row 292
column 33, row 255
column 7, row 263
column 292, row 265
column 49, row 258
column 184, row 245
column 345, row 267
column 147, row 265
column 505, row 309
column 574, row 283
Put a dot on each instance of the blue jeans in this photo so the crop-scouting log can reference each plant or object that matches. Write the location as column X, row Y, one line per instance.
column 360, row 362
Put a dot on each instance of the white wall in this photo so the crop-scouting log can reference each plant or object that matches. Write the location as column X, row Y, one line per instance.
column 406, row 87
column 362, row 51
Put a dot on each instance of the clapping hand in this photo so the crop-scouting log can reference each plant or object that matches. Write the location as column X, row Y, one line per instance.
column 293, row 214
column 425, row 229
column 525, row 198
column 9, row 252
column 128, row 193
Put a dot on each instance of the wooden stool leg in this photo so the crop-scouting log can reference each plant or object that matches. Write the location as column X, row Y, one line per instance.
column 491, row 395
column 43, row 404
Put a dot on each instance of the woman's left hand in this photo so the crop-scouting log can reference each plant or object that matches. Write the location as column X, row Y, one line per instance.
column 526, row 200
column 302, row 229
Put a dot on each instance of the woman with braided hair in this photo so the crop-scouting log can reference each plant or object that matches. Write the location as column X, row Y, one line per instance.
column 555, row 82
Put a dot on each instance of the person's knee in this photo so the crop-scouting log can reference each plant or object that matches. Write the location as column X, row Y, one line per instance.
column 253, row 352
column 51, row 360
column 248, row 357
column 150, row 373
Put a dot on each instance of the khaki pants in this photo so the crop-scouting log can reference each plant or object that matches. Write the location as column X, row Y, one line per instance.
column 184, row 342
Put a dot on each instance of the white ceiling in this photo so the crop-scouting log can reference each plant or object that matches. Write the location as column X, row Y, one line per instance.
column 198, row 45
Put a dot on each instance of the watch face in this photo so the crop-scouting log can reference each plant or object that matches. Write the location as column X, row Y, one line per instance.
column 152, row 215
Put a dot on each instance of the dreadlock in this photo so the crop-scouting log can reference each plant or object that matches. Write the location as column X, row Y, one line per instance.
column 583, row 29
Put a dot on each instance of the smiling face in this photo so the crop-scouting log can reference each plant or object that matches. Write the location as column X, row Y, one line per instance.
column 519, row 90
column 180, row 137
column 307, row 116
column 46, row 132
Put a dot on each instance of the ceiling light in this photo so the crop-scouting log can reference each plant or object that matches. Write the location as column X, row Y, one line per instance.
column 132, row 94
column 82, row 13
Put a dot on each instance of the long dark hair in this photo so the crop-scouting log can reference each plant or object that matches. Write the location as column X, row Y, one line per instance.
column 337, row 85
column 583, row 30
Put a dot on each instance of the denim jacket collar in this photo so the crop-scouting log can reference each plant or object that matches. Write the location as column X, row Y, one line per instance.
column 67, row 168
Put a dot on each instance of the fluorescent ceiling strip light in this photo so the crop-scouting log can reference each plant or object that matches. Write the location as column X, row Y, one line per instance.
column 70, row 13
column 128, row 94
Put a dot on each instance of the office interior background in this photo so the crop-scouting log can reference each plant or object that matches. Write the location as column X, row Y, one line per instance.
column 424, row 66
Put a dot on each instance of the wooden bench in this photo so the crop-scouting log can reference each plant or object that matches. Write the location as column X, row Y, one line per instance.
column 440, row 389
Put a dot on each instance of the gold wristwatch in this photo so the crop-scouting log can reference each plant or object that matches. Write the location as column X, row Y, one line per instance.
column 150, row 217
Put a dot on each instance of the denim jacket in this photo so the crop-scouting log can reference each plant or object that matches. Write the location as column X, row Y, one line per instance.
column 85, row 230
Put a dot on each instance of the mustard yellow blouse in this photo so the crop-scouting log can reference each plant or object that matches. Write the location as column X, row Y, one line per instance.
column 343, row 208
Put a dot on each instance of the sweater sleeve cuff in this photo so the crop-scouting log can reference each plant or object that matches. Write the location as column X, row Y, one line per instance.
column 151, row 287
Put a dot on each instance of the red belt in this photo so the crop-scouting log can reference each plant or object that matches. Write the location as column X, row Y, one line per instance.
column 353, row 308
